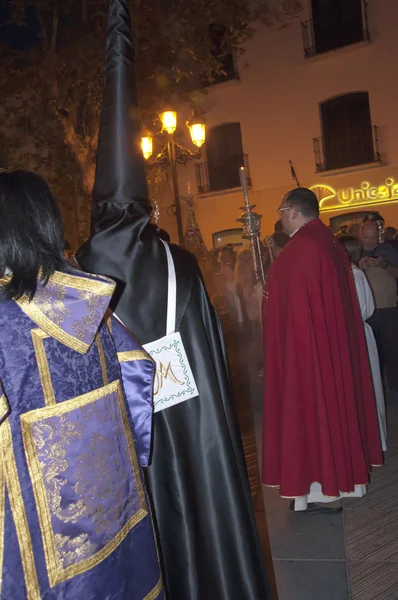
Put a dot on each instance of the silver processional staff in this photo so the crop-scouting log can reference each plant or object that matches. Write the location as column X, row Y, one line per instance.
column 251, row 222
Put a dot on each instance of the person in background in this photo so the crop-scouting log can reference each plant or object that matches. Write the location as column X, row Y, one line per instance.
column 211, row 267
column 280, row 240
column 221, row 301
column 76, row 419
column 251, row 290
column 197, row 479
column 320, row 438
column 250, row 294
column 379, row 260
column 367, row 306
column 228, row 255
column 237, row 308
column 390, row 234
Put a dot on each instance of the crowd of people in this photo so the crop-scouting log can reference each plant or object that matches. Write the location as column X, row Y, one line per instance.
column 371, row 253
column 323, row 329
column 123, row 473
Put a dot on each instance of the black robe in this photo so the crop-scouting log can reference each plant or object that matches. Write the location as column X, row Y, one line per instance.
column 209, row 544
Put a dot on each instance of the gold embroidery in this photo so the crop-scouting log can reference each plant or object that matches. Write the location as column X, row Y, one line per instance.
column 102, row 359
column 60, row 550
column 164, row 373
column 48, row 309
column 159, row 584
column 50, row 300
column 95, row 283
column 44, row 372
column 4, row 407
column 53, row 330
column 70, row 548
column 2, row 517
column 133, row 355
column 88, row 324
column 155, row 592
column 100, row 285
column 18, row 512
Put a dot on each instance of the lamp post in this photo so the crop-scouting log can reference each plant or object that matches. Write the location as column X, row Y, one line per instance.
column 172, row 154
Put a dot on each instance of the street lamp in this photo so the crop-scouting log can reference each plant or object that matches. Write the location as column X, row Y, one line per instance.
column 173, row 154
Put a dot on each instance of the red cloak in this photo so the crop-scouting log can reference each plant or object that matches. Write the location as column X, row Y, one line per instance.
column 320, row 420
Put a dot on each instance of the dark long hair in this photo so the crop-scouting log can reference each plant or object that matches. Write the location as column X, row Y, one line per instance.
column 31, row 237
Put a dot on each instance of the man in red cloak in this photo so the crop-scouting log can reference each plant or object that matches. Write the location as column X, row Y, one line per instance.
column 321, row 434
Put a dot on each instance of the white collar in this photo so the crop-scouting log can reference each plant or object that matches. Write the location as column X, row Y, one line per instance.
column 294, row 232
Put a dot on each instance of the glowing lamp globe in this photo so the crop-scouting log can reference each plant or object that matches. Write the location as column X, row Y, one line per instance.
column 147, row 146
column 197, row 129
column 169, row 121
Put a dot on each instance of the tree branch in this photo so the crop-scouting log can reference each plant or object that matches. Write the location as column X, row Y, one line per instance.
column 43, row 31
column 84, row 11
column 54, row 31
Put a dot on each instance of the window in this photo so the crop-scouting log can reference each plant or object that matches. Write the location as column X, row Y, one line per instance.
column 218, row 36
column 347, row 131
column 224, row 152
column 335, row 23
column 228, row 236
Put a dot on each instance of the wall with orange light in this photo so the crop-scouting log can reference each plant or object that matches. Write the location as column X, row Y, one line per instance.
column 277, row 101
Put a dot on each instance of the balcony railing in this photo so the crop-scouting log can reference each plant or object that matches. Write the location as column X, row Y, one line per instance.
column 330, row 38
column 346, row 152
column 204, row 183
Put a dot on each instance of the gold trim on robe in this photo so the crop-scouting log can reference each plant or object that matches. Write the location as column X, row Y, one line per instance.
column 4, row 406
column 102, row 359
column 34, row 313
column 56, row 572
column 133, row 355
column 38, row 335
column 48, row 310
column 18, row 513
column 2, row 518
column 153, row 594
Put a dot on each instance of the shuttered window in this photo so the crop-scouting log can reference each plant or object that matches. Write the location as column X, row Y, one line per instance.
column 347, row 131
column 336, row 23
column 224, row 152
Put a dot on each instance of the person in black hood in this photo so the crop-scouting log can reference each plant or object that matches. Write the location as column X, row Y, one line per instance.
column 208, row 540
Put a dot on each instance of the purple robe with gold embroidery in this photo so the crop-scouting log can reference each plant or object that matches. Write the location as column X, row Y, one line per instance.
column 76, row 412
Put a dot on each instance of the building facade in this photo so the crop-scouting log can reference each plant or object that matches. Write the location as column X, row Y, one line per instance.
column 321, row 93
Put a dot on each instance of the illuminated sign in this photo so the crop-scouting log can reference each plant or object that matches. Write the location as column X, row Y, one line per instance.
column 351, row 197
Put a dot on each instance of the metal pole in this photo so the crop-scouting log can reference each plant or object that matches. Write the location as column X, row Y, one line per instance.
column 173, row 162
column 251, row 228
column 293, row 172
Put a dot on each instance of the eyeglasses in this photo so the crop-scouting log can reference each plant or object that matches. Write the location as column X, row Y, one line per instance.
column 282, row 208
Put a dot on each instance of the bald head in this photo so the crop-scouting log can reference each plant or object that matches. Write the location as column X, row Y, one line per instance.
column 369, row 235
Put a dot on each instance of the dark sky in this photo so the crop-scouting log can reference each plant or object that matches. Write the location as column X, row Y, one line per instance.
column 18, row 38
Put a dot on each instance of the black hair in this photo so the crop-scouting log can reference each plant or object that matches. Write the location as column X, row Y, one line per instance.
column 31, row 237
column 305, row 200
column 280, row 239
column 353, row 247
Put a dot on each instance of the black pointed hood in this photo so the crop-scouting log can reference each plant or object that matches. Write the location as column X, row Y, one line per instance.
column 121, row 206
column 120, row 173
